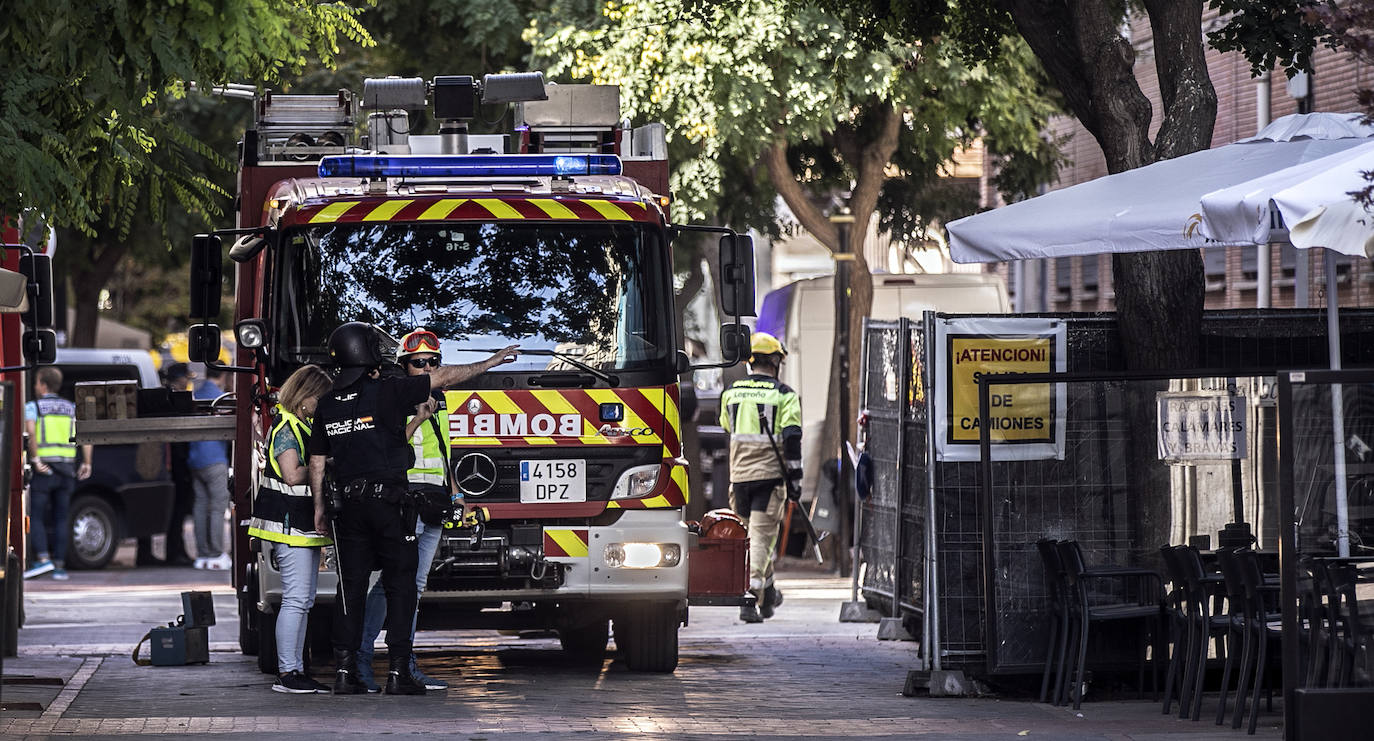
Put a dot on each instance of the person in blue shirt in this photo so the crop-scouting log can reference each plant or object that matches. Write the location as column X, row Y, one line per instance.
column 209, row 464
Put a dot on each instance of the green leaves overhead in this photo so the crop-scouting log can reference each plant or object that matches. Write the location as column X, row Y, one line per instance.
column 87, row 85
column 731, row 80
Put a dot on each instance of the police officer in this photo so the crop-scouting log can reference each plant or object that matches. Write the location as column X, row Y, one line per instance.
column 49, row 421
column 763, row 417
column 360, row 423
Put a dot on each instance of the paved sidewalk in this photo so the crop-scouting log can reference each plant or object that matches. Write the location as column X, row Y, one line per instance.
column 801, row 675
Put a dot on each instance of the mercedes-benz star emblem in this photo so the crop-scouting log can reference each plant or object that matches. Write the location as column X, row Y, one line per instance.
column 474, row 405
column 475, row 474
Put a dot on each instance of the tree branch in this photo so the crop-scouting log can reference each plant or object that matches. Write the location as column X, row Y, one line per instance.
column 1047, row 26
column 1185, row 84
column 785, row 182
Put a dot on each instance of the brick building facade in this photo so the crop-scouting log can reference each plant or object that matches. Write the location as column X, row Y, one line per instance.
column 1085, row 283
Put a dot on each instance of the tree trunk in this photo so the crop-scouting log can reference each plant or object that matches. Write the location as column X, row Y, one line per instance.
column 869, row 160
column 89, row 262
column 1159, row 296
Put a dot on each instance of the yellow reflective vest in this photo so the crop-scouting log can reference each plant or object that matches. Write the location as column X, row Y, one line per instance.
column 763, row 417
column 54, row 427
column 431, row 453
column 283, row 513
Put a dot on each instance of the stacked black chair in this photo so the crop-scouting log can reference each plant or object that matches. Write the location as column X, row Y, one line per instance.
column 1176, row 616
column 1261, row 628
column 1203, row 622
column 1146, row 606
column 1057, row 645
column 1352, row 630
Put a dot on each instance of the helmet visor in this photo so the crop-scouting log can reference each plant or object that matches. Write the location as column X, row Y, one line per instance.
column 419, row 341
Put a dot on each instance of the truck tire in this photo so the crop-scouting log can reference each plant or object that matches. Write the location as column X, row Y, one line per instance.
column 248, row 612
column 646, row 634
column 267, row 643
column 586, row 643
column 94, row 533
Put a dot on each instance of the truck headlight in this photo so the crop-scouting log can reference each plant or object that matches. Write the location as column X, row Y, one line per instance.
column 643, row 555
column 636, row 482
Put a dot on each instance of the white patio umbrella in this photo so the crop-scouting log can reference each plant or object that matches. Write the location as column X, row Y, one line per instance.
column 1160, row 207
column 1314, row 199
column 1153, row 207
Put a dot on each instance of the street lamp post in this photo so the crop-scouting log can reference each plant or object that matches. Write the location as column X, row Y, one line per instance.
column 842, row 220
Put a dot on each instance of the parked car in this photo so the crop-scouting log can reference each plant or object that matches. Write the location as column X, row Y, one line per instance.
column 130, row 492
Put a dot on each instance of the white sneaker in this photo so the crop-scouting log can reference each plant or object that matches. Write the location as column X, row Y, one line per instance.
column 223, row 562
column 201, row 563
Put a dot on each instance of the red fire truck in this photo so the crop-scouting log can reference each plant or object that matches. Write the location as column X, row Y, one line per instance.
column 556, row 238
column 25, row 292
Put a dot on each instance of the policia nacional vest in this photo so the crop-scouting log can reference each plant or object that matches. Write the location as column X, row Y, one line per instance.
column 283, row 513
column 54, row 429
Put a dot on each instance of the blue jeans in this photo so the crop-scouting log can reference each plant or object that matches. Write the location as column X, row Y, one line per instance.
column 300, row 570
column 49, row 496
column 374, row 612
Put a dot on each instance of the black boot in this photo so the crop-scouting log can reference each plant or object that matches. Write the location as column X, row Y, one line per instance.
column 399, row 681
column 772, row 597
column 346, row 673
column 749, row 612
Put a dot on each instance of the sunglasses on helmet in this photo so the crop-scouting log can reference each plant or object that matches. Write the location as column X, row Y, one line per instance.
column 422, row 362
column 420, row 341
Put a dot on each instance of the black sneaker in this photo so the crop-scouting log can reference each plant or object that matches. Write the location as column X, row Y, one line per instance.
column 296, row 683
column 319, row 686
column 750, row 614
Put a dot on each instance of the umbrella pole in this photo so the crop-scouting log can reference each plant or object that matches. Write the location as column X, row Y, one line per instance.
column 1333, row 334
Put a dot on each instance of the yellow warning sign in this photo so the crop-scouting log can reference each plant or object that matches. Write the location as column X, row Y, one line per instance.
column 1018, row 412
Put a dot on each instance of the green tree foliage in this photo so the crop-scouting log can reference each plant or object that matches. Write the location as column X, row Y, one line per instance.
column 86, row 83
column 735, row 82
column 89, row 121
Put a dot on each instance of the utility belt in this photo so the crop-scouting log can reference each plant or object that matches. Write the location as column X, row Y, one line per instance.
column 361, row 489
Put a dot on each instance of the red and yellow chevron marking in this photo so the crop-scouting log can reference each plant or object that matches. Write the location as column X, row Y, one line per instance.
column 566, row 417
column 560, row 208
column 565, row 542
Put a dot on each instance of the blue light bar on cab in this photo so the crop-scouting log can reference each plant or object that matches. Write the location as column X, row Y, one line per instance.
column 467, row 165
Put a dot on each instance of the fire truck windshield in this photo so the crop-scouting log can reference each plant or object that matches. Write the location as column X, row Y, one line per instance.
column 598, row 291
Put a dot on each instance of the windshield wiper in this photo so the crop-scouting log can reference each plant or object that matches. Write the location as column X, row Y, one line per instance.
column 610, row 379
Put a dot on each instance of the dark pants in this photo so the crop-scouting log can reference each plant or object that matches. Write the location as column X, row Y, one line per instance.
column 370, row 531
column 49, row 496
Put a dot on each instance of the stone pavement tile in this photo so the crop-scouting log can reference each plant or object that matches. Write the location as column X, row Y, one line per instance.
column 775, row 682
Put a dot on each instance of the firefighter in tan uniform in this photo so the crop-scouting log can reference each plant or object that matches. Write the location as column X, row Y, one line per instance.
column 763, row 417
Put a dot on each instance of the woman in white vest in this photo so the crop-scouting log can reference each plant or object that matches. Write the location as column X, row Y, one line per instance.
column 284, row 513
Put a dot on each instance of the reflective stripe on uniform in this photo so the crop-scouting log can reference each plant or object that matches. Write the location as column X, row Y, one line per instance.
column 275, row 532
column 300, row 490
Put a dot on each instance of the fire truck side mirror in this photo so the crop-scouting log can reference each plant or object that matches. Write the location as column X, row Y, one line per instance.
column 737, row 275
column 202, row 343
column 734, row 343
column 40, row 346
column 207, row 276
column 38, row 270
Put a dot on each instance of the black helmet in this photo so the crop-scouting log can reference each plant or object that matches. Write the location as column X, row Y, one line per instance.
column 356, row 348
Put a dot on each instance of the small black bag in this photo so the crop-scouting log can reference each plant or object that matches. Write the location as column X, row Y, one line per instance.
column 433, row 504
